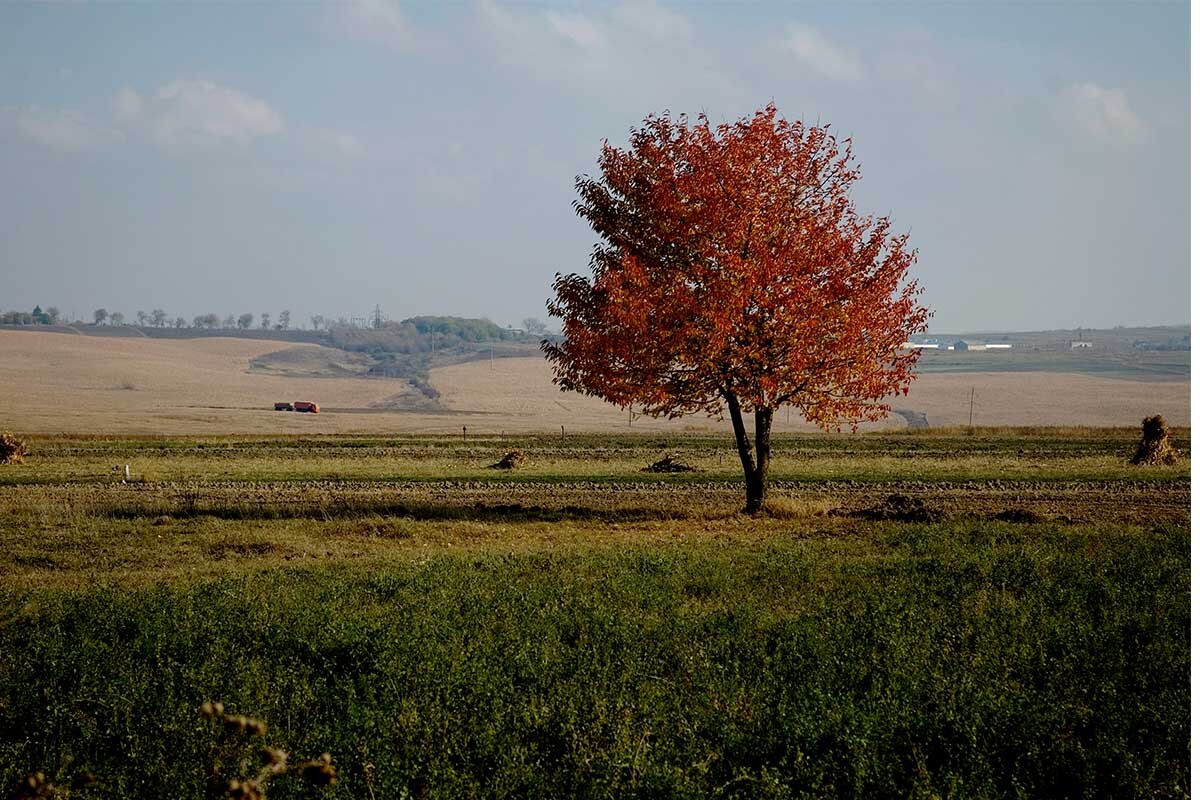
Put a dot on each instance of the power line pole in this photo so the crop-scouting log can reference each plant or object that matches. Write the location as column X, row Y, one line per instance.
column 971, row 414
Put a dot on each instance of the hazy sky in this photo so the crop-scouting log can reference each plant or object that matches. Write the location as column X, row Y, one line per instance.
column 325, row 157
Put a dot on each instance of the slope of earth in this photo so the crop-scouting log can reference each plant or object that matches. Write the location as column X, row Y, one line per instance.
column 312, row 362
column 84, row 384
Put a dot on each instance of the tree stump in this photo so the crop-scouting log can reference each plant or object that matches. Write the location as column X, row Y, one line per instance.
column 1155, row 447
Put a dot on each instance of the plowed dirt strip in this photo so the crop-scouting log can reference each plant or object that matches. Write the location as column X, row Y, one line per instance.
column 1084, row 501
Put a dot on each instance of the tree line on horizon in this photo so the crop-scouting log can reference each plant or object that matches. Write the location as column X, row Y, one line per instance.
column 461, row 328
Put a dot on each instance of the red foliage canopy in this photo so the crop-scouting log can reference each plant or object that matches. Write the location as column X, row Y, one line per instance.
column 734, row 270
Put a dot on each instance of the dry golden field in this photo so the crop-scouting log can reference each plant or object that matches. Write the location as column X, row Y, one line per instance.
column 519, row 391
column 63, row 383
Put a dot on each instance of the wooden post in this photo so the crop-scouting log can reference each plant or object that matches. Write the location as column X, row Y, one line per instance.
column 564, row 432
column 464, row 434
column 971, row 413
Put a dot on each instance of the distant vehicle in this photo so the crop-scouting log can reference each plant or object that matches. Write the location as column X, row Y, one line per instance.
column 302, row 406
column 284, row 407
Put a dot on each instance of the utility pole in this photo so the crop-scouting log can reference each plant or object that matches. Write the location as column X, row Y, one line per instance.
column 971, row 413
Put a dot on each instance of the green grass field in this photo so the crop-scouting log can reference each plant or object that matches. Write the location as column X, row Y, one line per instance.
column 581, row 628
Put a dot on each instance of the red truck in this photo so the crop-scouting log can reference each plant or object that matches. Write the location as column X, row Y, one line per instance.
column 304, row 406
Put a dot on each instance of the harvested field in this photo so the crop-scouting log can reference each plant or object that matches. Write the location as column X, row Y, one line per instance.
column 519, row 392
column 214, row 385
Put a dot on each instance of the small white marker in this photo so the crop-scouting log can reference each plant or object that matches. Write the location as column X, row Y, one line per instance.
column 126, row 474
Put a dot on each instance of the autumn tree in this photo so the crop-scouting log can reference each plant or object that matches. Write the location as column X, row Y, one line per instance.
column 735, row 276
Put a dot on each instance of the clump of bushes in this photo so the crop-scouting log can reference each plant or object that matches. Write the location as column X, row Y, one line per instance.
column 12, row 449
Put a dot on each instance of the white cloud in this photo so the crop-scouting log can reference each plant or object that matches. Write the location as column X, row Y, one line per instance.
column 59, row 129
column 1102, row 113
column 186, row 114
column 651, row 19
column 333, row 143
column 379, row 21
column 577, row 29
column 554, row 44
column 818, row 53
column 912, row 58
column 127, row 104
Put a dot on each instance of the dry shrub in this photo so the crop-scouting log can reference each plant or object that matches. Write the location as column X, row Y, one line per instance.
column 238, row 770
column 668, row 464
column 234, row 734
column 1155, row 446
column 12, row 449
column 511, row 460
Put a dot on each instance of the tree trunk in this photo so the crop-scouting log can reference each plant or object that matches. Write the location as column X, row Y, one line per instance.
column 756, row 462
column 762, row 448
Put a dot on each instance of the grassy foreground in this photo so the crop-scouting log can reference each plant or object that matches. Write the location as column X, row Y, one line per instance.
column 656, row 645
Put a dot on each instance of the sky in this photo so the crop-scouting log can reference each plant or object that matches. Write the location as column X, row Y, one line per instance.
column 325, row 157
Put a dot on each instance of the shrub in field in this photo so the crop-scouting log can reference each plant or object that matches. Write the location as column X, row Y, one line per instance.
column 12, row 449
column 1155, row 447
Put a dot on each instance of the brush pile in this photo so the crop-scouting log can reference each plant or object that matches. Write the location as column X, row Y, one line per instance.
column 511, row 460
column 1155, row 447
column 668, row 464
column 12, row 449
